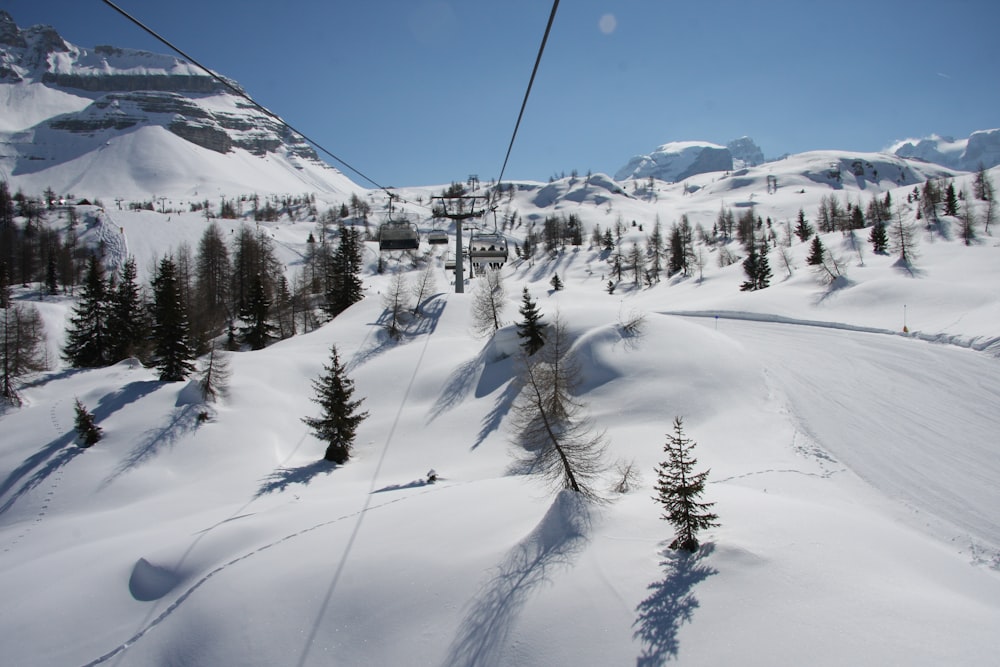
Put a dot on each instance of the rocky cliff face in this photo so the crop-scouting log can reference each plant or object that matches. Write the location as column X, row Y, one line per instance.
column 678, row 160
column 745, row 152
column 130, row 89
column 980, row 149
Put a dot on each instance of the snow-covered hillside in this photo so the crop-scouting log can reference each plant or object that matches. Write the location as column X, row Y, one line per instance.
column 980, row 149
column 853, row 465
column 850, row 428
column 108, row 123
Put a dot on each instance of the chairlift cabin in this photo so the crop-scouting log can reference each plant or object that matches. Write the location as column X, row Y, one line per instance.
column 397, row 235
column 437, row 237
column 487, row 251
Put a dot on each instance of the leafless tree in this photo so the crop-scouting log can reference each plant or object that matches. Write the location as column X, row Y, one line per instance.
column 554, row 438
column 903, row 237
column 488, row 303
column 22, row 348
column 215, row 374
column 423, row 288
column 396, row 302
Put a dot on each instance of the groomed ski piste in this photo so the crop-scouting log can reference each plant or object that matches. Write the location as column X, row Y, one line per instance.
column 853, row 466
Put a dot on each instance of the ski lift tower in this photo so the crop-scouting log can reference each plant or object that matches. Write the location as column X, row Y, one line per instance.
column 458, row 208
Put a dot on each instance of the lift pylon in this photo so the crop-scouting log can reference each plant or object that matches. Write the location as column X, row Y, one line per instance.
column 458, row 208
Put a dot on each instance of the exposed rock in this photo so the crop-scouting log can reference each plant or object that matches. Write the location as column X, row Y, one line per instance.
column 745, row 152
column 981, row 148
column 678, row 160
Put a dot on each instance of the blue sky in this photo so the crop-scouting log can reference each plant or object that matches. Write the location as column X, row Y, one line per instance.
column 418, row 92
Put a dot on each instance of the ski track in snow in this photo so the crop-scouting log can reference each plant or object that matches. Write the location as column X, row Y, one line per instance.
column 359, row 515
column 183, row 597
column 979, row 344
column 942, row 465
column 112, row 237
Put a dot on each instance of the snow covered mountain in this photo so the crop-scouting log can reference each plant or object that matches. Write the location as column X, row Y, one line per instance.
column 849, row 429
column 852, row 463
column 746, row 153
column 981, row 148
column 111, row 122
column 678, row 160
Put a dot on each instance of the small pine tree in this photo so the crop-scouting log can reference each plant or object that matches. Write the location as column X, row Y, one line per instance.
column 803, row 229
column 816, row 253
column 950, row 202
column 879, row 238
column 340, row 419
column 556, row 283
column 127, row 326
column 173, row 354
column 531, row 330
column 257, row 331
column 87, row 333
column 678, row 488
column 88, row 430
column 757, row 268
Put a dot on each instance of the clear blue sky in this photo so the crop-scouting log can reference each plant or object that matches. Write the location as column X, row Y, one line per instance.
column 417, row 92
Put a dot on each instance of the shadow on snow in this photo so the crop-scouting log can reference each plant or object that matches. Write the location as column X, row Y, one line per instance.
column 671, row 604
column 483, row 635
column 282, row 478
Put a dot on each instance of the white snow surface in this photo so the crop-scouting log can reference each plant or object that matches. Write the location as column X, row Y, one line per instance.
column 853, row 466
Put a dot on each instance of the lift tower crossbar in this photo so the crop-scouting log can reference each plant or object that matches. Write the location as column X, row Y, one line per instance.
column 454, row 208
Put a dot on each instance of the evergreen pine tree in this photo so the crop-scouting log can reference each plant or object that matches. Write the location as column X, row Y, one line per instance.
column 556, row 282
column 816, row 253
column 678, row 489
column 531, row 329
column 87, row 334
column 879, row 238
column 172, row 351
column 343, row 284
column 757, row 268
column 86, row 428
column 51, row 275
column 6, row 294
column 803, row 229
column 950, row 202
column 128, row 330
column 340, row 417
column 257, row 330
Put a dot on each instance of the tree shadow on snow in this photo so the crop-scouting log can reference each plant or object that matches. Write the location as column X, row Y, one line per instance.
column 494, row 418
column 282, row 478
column 458, row 385
column 130, row 393
column 38, row 467
column 483, row 635
column 182, row 421
column 671, row 604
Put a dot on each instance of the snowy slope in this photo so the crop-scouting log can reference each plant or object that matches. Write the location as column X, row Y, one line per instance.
column 853, row 469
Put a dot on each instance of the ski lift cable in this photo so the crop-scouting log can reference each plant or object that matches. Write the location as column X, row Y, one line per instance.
column 236, row 90
column 527, row 92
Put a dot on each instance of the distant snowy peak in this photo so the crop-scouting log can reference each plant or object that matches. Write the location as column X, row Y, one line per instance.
column 746, row 153
column 981, row 148
column 63, row 107
column 39, row 54
column 678, row 160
